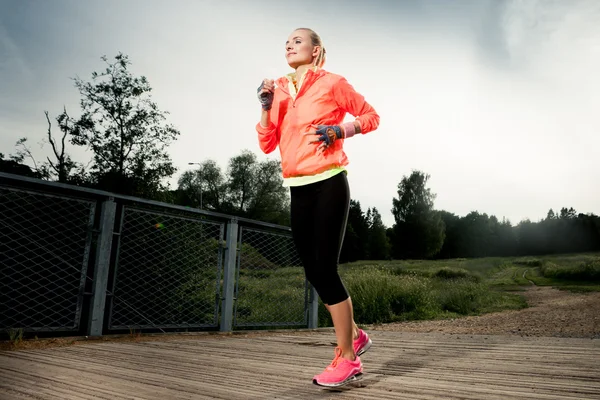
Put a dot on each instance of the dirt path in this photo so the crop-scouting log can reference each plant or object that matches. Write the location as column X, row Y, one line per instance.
column 551, row 312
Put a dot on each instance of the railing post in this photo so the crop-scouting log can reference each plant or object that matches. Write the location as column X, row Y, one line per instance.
column 101, row 267
column 229, row 276
column 313, row 308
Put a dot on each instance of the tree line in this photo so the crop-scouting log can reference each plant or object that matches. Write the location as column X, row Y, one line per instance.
column 422, row 232
column 127, row 136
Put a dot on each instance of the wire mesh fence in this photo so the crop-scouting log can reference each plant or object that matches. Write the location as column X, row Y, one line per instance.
column 271, row 288
column 167, row 272
column 84, row 261
column 45, row 243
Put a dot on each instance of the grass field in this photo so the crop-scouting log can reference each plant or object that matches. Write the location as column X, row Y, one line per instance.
column 389, row 291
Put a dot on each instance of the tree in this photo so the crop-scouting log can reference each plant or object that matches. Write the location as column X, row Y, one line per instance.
column 62, row 167
column 125, row 130
column 451, row 246
column 242, row 171
column 419, row 229
column 567, row 213
column 12, row 166
column 378, row 243
column 506, row 239
column 271, row 200
column 356, row 236
column 249, row 189
column 204, row 187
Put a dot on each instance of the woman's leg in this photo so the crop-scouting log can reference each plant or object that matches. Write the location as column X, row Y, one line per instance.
column 302, row 204
column 333, row 205
column 343, row 322
column 319, row 214
column 355, row 331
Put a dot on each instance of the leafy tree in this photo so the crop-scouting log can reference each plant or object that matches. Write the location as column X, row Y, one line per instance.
column 506, row 239
column 356, row 236
column 22, row 153
column 451, row 245
column 379, row 246
column 243, row 177
column 567, row 213
column 12, row 166
column 476, row 235
column 271, row 200
column 531, row 238
column 419, row 229
column 351, row 241
column 125, row 130
column 249, row 188
column 204, row 187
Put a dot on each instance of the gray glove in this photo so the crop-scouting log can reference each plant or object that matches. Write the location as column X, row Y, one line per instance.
column 266, row 99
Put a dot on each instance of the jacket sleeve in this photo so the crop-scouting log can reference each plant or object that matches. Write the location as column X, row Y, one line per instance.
column 354, row 103
column 268, row 137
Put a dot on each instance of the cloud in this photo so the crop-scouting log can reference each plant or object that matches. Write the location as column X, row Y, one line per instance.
column 12, row 64
column 497, row 100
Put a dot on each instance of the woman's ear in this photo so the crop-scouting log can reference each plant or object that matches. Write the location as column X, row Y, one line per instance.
column 316, row 51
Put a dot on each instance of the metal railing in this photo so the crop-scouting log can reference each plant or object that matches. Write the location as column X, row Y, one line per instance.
column 270, row 285
column 91, row 262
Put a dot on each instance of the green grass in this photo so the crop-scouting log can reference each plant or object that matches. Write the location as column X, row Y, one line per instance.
column 416, row 290
column 577, row 273
column 270, row 296
column 390, row 291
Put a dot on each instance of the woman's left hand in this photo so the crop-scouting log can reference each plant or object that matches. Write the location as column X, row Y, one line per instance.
column 327, row 134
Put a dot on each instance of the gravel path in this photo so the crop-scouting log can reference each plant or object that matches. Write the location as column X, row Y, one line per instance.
column 551, row 312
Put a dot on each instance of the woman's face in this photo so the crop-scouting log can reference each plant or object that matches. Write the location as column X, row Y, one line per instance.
column 299, row 49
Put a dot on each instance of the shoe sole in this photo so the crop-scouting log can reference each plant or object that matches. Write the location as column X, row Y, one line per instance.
column 353, row 378
column 365, row 348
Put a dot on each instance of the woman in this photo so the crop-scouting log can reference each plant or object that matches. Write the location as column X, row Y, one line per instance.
column 303, row 114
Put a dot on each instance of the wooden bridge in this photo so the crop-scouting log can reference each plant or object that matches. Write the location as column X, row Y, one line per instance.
column 280, row 365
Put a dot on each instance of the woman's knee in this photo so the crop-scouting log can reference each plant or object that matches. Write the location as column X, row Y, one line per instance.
column 328, row 285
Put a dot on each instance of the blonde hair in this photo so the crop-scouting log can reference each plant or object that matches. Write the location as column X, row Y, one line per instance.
column 316, row 41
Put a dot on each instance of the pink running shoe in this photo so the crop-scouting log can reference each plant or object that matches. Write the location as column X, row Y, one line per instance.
column 362, row 343
column 339, row 372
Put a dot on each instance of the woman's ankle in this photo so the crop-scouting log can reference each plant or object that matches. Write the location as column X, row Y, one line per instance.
column 349, row 355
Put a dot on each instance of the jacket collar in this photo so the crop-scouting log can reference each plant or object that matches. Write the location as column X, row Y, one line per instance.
column 311, row 76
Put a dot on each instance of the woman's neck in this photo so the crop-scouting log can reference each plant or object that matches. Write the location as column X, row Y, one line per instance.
column 301, row 69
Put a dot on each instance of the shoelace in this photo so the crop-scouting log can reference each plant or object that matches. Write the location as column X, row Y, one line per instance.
column 338, row 355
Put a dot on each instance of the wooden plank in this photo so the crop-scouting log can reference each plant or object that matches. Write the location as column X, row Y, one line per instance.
column 281, row 365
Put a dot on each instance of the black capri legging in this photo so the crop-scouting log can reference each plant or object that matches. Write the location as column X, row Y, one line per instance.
column 319, row 213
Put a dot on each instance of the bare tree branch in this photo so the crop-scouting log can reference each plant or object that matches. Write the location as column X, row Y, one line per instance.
column 62, row 153
column 50, row 139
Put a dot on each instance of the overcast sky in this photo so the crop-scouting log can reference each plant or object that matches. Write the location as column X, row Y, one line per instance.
column 497, row 100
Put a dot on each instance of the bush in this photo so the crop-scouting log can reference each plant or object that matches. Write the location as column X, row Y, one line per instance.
column 588, row 270
column 449, row 273
column 461, row 296
column 265, row 296
column 251, row 258
column 381, row 295
column 529, row 262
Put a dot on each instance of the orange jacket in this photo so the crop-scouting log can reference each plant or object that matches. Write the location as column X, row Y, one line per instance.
column 324, row 99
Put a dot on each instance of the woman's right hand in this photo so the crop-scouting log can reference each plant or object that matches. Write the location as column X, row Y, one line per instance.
column 265, row 93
